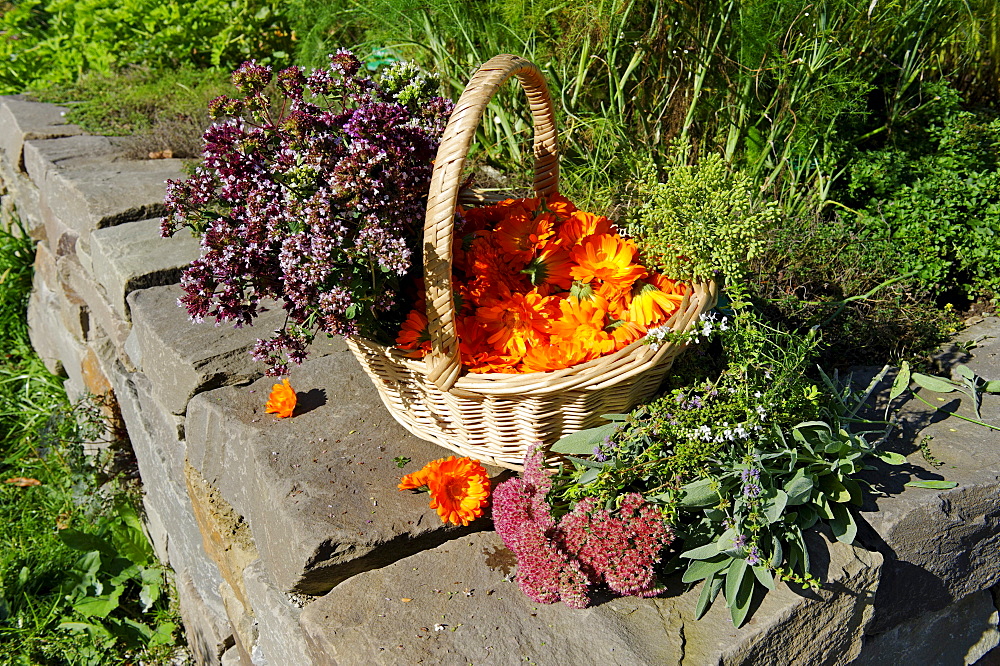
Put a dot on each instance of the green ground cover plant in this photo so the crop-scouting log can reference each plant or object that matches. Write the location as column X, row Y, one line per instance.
column 79, row 583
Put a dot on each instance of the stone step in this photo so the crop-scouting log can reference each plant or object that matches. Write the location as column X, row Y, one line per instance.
column 181, row 358
column 456, row 604
column 133, row 256
column 23, row 121
column 318, row 489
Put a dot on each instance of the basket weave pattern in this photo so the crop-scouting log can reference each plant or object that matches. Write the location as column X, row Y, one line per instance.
column 495, row 417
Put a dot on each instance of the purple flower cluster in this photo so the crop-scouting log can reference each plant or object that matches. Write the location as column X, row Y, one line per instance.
column 588, row 546
column 312, row 192
column 751, row 482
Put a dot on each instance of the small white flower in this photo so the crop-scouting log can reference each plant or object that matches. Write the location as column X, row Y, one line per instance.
column 440, row 627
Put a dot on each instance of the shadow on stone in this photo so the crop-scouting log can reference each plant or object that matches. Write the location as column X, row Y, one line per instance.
column 310, row 400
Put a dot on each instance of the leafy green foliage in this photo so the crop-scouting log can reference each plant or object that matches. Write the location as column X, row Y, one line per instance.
column 157, row 109
column 56, row 576
column 743, row 455
column 938, row 203
column 701, row 221
column 54, row 41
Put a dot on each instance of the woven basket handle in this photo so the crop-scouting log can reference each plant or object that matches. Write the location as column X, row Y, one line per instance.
column 444, row 360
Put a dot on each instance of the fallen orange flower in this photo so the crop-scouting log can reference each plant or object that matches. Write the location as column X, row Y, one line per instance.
column 282, row 400
column 459, row 488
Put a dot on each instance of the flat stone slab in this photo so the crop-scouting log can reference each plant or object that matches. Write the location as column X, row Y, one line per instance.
column 92, row 197
column 318, row 489
column 182, row 358
column 961, row 634
column 45, row 156
column 940, row 545
column 22, row 121
column 133, row 256
column 455, row 604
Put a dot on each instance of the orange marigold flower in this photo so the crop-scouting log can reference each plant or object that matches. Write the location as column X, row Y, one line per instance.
column 514, row 321
column 554, row 356
column 626, row 332
column 282, row 400
column 583, row 322
column 608, row 258
column 519, row 233
column 490, row 268
column 459, row 488
column 550, row 267
column 651, row 305
column 477, row 354
column 580, row 225
column 418, row 479
column 413, row 334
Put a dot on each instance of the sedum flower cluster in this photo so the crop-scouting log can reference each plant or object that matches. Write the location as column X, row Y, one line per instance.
column 312, row 192
column 588, row 546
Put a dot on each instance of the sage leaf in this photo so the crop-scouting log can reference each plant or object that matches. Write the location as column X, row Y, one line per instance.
column 709, row 591
column 584, row 441
column 765, row 576
column 891, row 457
column 705, row 552
column 699, row 494
column 775, row 506
column 734, row 580
column 936, row 384
column 902, row 381
column 799, row 488
column 933, row 485
column 843, row 525
column 741, row 605
column 701, row 569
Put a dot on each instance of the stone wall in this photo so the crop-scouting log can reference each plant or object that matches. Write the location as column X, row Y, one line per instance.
column 290, row 544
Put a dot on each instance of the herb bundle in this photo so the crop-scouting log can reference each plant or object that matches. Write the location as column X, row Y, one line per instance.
column 312, row 192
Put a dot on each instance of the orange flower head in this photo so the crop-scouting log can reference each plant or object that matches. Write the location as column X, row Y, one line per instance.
column 516, row 321
column 551, row 267
column 418, row 479
column 580, row 225
column 414, row 335
column 607, row 258
column 554, row 356
column 583, row 322
column 491, row 269
column 459, row 488
column 625, row 333
column 519, row 233
column 477, row 354
column 650, row 305
column 282, row 400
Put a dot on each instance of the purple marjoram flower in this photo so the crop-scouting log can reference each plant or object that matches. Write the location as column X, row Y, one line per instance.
column 740, row 541
column 753, row 557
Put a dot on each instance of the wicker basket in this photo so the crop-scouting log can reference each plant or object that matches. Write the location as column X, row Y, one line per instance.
column 495, row 417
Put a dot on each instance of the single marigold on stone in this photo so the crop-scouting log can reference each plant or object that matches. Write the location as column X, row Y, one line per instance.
column 282, row 400
column 459, row 488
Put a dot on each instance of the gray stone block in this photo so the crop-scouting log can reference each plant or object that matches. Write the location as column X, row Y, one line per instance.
column 940, row 545
column 280, row 639
column 958, row 635
column 182, row 358
column 133, row 256
column 19, row 199
column 92, row 197
column 208, row 635
column 317, row 489
column 454, row 604
column 22, row 121
column 76, row 281
column 157, row 441
column 58, row 348
column 43, row 157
